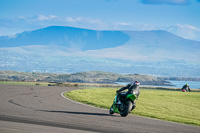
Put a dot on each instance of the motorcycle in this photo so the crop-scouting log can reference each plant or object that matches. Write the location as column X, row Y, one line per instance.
column 126, row 105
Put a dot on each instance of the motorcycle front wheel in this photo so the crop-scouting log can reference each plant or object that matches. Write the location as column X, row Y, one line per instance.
column 127, row 109
column 111, row 110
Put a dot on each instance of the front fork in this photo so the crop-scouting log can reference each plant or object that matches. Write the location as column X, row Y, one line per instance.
column 115, row 107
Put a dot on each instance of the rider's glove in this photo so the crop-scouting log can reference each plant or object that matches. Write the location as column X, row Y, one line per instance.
column 117, row 91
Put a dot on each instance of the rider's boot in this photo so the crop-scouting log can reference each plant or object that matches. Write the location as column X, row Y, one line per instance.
column 133, row 107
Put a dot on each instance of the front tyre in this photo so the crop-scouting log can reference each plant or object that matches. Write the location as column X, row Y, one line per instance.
column 127, row 109
column 111, row 110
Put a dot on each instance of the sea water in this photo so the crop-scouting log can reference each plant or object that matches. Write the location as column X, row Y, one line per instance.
column 174, row 83
column 179, row 84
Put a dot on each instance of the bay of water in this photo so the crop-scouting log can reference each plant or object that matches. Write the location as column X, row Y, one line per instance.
column 176, row 84
column 192, row 84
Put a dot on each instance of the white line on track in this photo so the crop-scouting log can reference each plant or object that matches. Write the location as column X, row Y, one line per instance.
column 62, row 94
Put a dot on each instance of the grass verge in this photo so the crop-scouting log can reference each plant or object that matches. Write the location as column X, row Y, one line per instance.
column 175, row 106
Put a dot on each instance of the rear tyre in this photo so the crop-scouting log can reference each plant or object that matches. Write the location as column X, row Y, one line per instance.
column 127, row 109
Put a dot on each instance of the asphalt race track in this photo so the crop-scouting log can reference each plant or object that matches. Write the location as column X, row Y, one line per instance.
column 42, row 109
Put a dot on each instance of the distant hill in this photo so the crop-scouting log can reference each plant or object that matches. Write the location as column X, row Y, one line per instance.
column 153, row 46
column 81, row 77
column 75, row 38
column 59, row 49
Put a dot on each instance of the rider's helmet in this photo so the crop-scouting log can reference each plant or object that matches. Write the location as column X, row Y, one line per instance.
column 187, row 84
column 136, row 83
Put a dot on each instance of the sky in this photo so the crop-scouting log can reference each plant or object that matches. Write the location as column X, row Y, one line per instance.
column 180, row 17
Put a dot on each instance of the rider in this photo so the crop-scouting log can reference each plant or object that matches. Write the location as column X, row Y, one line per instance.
column 186, row 88
column 132, row 89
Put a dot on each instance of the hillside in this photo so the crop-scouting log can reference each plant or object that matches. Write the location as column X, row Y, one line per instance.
column 74, row 38
column 153, row 46
column 82, row 77
column 59, row 49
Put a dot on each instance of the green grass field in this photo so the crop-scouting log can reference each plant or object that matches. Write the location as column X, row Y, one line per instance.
column 175, row 106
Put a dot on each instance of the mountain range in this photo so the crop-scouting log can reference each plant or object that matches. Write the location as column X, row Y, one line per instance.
column 75, row 38
column 68, row 49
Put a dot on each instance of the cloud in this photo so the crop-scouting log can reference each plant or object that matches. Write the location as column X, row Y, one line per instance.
column 42, row 17
column 70, row 19
column 83, row 20
column 187, row 31
column 123, row 24
column 168, row 2
column 187, row 27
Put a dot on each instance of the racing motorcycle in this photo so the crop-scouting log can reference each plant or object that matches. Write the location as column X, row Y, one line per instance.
column 126, row 105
